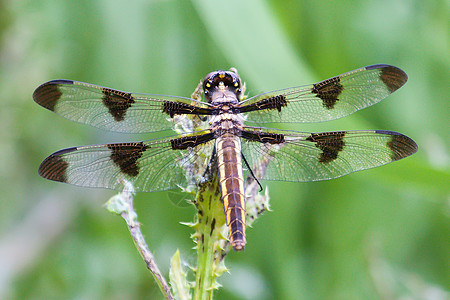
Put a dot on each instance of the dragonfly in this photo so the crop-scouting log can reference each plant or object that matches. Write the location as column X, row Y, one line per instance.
column 231, row 138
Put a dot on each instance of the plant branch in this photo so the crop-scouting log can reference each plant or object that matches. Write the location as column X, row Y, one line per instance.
column 122, row 204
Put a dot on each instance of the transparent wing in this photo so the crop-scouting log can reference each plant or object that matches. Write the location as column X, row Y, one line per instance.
column 320, row 156
column 150, row 166
column 114, row 110
column 327, row 100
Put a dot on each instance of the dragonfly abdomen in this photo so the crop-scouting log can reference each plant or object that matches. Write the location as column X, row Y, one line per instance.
column 231, row 180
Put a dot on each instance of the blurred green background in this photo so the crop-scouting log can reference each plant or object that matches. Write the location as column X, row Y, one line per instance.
column 379, row 234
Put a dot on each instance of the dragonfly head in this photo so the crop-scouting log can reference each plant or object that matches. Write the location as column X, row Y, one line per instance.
column 222, row 81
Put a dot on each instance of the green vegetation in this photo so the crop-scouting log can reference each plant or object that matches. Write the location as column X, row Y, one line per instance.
column 379, row 234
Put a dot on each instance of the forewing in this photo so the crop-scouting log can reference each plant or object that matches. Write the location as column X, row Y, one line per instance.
column 327, row 100
column 114, row 110
column 150, row 166
column 321, row 156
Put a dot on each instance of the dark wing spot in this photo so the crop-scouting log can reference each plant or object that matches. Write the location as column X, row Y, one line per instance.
column 174, row 108
column 393, row 77
column 262, row 137
column 54, row 167
column 329, row 91
column 186, row 142
column 179, row 108
column 275, row 102
column 117, row 103
column 331, row 143
column 400, row 145
column 48, row 94
column 279, row 101
column 125, row 156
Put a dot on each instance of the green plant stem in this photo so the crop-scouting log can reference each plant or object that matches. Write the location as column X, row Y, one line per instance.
column 211, row 240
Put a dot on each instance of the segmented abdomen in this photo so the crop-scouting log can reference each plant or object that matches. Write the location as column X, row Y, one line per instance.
column 231, row 180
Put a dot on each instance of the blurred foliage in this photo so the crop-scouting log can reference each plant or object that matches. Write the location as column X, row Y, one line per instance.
column 378, row 234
